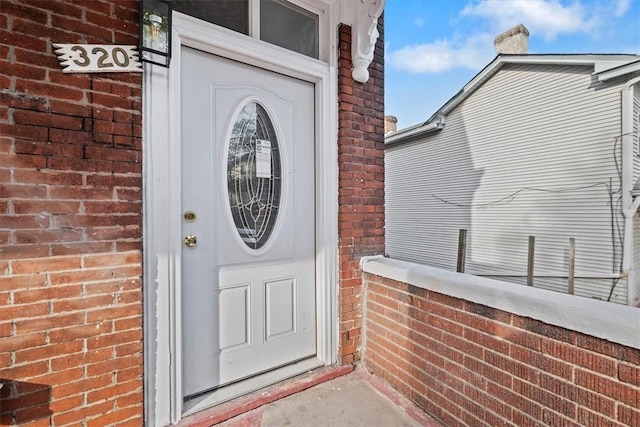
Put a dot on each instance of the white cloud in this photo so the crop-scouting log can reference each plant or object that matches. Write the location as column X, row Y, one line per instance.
column 622, row 6
column 444, row 55
column 544, row 18
column 547, row 18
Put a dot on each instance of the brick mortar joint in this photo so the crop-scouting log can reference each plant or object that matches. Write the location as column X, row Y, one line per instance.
column 571, row 347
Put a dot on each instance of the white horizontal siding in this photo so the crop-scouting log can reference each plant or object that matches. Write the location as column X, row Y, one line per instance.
column 634, row 290
column 546, row 136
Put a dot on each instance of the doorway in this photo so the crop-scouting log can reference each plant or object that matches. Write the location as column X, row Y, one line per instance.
column 166, row 218
column 248, row 221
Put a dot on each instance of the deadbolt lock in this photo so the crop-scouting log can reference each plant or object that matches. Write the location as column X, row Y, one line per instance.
column 190, row 240
column 189, row 216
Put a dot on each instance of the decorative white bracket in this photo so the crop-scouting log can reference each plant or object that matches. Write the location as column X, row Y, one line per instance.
column 364, row 34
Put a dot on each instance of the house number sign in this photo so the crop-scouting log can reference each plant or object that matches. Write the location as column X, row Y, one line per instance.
column 97, row 58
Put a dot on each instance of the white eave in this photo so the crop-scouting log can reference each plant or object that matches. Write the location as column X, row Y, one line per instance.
column 600, row 63
column 414, row 131
column 620, row 70
column 605, row 66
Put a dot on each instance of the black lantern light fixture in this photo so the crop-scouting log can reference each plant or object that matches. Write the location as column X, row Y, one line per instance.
column 155, row 31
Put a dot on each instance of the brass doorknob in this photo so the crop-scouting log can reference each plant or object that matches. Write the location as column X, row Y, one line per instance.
column 190, row 240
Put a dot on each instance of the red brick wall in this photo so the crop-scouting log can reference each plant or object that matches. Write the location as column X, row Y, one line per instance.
column 70, row 219
column 361, row 184
column 469, row 364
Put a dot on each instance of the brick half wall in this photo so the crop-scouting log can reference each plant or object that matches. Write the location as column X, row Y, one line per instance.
column 469, row 364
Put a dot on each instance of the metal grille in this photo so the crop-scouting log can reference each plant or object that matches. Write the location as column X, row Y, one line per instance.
column 254, row 175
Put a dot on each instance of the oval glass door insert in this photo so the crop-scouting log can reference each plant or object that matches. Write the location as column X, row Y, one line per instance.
column 254, row 178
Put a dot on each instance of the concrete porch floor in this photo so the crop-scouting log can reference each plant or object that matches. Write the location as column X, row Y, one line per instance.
column 332, row 396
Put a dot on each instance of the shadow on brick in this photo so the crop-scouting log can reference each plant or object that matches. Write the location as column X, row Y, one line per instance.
column 22, row 402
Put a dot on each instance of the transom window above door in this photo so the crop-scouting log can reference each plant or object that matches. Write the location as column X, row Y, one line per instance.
column 278, row 22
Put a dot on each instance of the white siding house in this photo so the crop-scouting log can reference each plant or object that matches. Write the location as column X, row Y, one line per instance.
column 534, row 145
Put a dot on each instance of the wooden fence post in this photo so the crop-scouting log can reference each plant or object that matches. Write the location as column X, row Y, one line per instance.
column 462, row 250
column 572, row 264
column 530, row 259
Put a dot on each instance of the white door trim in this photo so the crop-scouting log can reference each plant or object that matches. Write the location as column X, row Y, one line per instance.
column 162, row 216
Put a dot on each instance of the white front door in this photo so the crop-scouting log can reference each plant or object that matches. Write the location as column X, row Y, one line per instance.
column 248, row 260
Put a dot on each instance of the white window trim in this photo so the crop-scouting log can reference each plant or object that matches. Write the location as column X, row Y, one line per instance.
column 162, row 225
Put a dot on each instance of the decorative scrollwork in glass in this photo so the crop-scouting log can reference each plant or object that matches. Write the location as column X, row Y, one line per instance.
column 254, row 175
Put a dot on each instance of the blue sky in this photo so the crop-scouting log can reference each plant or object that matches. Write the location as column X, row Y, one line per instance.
column 433, row 47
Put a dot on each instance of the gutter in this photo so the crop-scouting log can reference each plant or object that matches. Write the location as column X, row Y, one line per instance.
column 402, row 136
column 621, row 70
column 629, row 205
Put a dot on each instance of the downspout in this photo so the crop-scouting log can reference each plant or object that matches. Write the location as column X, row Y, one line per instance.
column 629, row 205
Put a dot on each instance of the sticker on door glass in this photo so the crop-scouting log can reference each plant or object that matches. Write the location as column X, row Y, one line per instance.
column 254, row 175
column 263, row 158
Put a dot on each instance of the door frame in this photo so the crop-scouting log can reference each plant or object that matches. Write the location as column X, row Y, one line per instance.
column 162, row 239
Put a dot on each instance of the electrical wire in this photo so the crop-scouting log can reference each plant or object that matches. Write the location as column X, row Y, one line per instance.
column 615, row 206
column 614, row 218
column 511, row 197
